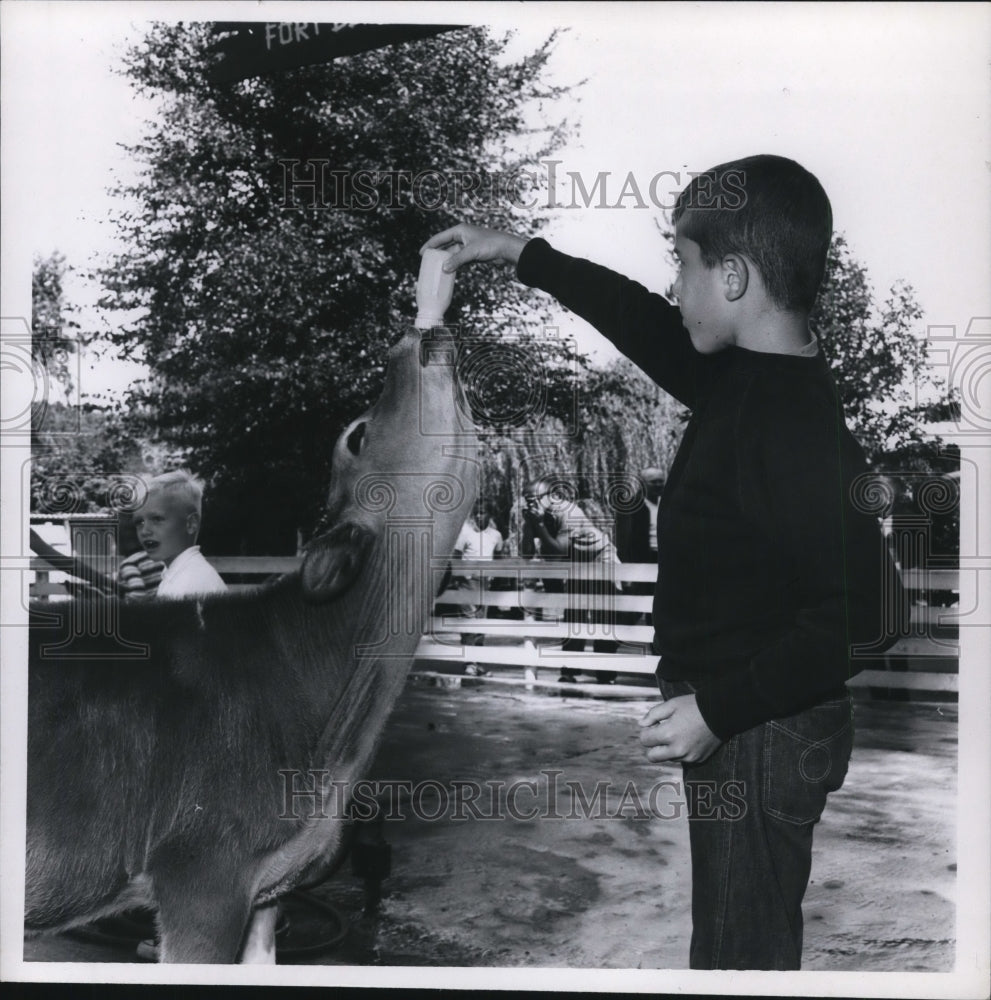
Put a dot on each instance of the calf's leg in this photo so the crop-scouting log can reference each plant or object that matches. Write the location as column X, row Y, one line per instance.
column 259, row 944
column 203, row 910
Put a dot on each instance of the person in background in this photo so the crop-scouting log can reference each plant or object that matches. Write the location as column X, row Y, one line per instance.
column 636, row 537
column 636, row 528
column 653, row 481
column 138, row 575
column 168, row 524
column 557, row 528
column 479, row 539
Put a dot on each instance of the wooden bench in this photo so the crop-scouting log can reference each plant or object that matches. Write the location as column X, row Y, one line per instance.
column 922, row 664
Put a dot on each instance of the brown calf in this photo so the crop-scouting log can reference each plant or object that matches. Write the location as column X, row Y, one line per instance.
column 159, row 780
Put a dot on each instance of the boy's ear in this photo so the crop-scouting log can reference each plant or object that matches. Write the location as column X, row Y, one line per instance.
column 736, row 276
column 193, row 524
column 333, row 561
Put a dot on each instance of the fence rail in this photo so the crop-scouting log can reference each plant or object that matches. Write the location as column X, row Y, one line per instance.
column 532, row 625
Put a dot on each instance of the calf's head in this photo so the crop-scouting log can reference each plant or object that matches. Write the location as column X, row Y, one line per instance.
column 409, row 460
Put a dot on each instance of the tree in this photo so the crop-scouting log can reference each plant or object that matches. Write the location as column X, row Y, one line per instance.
column 84, row 460
column 879, row 358
column 83, row 457
column 628, row 423
column 274, row 248
column 52, row 322
column 618, row 423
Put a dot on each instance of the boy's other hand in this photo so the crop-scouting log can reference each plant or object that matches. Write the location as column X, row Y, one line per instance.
column 675, row 731
column 477, row 244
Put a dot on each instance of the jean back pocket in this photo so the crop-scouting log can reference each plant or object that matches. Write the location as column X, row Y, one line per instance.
column 805, row 758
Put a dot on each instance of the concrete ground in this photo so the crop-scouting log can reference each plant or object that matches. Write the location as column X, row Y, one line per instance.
column 471, row 885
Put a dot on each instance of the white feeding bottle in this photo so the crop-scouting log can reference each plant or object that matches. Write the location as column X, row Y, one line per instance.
column 434, row 288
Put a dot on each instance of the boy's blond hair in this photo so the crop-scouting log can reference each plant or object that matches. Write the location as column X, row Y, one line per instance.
column 182, row 487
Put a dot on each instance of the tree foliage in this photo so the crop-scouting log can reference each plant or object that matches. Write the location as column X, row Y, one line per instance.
column 84, row 460
column 271, row 258
column 878, row 355
column 265, row 311
column 52, row 323
column 618, row 423
column 628, row 424
column 83, row 457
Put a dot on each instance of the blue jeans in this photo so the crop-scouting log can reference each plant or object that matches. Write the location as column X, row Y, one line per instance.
column 752, row 807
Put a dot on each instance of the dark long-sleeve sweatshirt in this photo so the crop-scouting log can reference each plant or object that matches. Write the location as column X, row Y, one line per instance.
column 768, row 574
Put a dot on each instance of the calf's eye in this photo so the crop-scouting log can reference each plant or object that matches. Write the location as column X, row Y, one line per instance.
column 355, row 438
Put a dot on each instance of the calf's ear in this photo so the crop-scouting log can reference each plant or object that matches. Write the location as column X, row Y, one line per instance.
column 333, row 561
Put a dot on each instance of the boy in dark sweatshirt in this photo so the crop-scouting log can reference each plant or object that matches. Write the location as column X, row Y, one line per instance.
column 769, row 576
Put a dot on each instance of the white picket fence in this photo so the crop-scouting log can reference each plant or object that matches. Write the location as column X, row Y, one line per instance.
column 526, row 648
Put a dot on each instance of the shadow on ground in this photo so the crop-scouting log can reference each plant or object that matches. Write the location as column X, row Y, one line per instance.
column 534, row 833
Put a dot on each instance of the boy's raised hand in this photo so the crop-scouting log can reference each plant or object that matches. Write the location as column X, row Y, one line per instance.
column 477, row 244
column 674, row 730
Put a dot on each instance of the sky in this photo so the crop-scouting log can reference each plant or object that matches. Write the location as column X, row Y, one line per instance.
column 886, row 104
